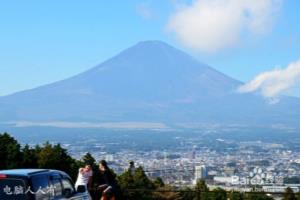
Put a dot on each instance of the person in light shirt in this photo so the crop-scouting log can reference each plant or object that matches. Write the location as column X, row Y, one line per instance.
column 84, row 176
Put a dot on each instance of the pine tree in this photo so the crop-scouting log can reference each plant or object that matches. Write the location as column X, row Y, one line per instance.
column 89, row 159
column 29, row 157
column 256, row 196
column 56, row 157
column 158, row 182
column 289, row 194
column 218, row 194
column 201, row 190
column 234, row 195
column 187, row 193
column 137, row 185
column 10, row 153
column 298, row 194
column 166, row 193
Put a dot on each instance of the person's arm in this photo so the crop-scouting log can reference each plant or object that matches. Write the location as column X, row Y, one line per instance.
column 107, row 189
column 81, row 170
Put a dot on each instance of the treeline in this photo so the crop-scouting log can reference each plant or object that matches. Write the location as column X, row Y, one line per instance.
column 47, row 156
column 133, row 184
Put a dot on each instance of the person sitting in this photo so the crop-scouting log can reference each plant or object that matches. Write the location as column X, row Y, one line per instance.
column 84, row 177
column 108, row 182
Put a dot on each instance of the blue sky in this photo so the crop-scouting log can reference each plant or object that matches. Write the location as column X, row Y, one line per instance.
column 45, row 41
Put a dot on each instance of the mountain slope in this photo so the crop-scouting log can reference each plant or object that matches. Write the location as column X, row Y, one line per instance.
column 149, row 82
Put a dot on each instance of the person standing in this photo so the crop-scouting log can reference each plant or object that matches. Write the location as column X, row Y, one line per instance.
column 84, row 177
column 108, row 185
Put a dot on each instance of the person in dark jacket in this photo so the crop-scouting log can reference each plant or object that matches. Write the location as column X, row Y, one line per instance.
column 108, row 185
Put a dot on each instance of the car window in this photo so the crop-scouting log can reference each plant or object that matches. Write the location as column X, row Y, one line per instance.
column 40, row 187
column 67, row 184
column 12, row 189
column 57, row 186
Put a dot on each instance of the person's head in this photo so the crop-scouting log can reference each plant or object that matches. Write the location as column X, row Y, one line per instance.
column 131, row 164
column 88, row 167
column 103, row 165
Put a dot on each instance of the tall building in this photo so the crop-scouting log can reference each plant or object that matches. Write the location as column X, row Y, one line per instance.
column 200, row 172
column 109, row 158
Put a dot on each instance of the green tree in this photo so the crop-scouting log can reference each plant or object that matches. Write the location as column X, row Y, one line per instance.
column 166, row 193
column 126, row 183
column 289, row 194
column 257, row 196
column 158, row 182
column 137, row 185
column 10, row 154
column 56, row 157
column 201, row 190
column 298, row 194
column 29, row 157
column 234, row 195
column 187, row 193
column 142, row 182
column 89, row 159
column 218, row 194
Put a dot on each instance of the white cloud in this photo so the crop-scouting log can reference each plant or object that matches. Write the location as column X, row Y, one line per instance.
column 210, row 25
column 275, row 82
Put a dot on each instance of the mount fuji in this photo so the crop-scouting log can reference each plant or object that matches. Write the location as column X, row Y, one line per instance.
column 150, row 84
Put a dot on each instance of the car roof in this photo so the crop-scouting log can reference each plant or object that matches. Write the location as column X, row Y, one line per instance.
column 27, row 172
